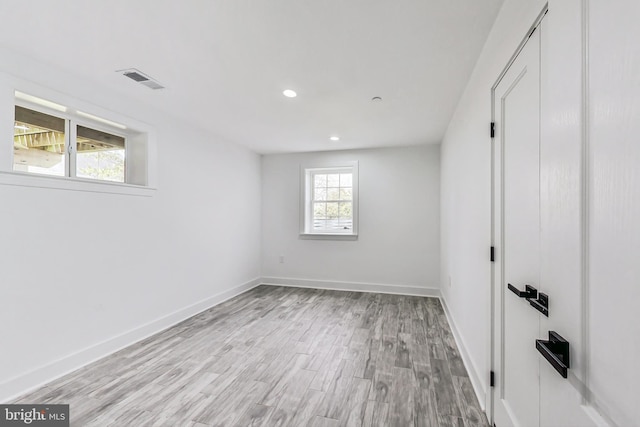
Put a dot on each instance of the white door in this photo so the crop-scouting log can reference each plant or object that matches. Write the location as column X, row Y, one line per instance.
column 517, row 239
column 536, row 229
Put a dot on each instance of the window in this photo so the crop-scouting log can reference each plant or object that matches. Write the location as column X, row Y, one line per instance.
column 42, row 145
column 51, row 139
column 330, row 201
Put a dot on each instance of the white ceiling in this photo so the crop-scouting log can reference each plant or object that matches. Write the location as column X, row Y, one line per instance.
column 225, row 63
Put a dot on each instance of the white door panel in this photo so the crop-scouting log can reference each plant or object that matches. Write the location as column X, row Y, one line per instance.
column 560, row 401
column 517, row 181
column 614, row 203
column 561, row 146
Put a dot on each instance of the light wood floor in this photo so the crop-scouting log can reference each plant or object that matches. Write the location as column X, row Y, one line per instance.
column 278, row 356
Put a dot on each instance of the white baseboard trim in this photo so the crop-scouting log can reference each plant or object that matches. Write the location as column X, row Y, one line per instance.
column 477, row 380
column 352, row 286
column 26, row 382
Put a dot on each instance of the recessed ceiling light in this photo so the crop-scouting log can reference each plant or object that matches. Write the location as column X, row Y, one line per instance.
column 334, row 138
column 376, row 99
column 289, row 93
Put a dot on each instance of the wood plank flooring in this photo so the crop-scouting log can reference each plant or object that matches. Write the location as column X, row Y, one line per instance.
column 277, row 356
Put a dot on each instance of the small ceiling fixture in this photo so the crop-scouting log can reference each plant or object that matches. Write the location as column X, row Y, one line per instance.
column 334, row 138
column 376, row 99
column 289, row 93
column 138, row 76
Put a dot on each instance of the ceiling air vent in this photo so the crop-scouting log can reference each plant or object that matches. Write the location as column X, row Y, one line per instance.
column 138, row 76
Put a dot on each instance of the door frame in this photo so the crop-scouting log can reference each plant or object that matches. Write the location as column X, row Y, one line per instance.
column 496, row 273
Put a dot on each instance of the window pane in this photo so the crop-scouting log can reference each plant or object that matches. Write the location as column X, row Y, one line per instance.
column 100, row 155
column 319, row 224
column 319, row 210
column 38, row 143
column 320, row 180
column 320, row 194
column 345, row 194
column 333, row 180
column 333, row 194
column 333, row 210
column 346, row 180
column 345, row 210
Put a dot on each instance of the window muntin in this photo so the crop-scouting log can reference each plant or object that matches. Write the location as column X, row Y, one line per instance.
column 329, row 202
column 39, row 143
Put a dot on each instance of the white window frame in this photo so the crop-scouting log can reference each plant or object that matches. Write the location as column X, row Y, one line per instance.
column 306, row 200
column 71, row 123
column 139, row 142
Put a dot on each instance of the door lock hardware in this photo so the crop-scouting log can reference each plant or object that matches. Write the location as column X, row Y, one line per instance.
column 529, row 291
column 541, row 304
column 556, row 351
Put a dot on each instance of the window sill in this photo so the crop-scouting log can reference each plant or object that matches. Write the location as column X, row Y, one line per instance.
column 327, row 236
column 21, row 179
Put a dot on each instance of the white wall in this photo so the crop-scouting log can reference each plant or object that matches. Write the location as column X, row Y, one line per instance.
column 83, row 273
column 398, row 243
column 466, row 190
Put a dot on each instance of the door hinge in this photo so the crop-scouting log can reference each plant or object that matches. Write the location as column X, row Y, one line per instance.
column 493, row 254
column 493, row 129
column 492, row 379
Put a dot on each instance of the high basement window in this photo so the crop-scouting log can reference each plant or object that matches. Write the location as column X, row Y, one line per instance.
column 50, row 145
column 54, row 140
column 329, row 204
